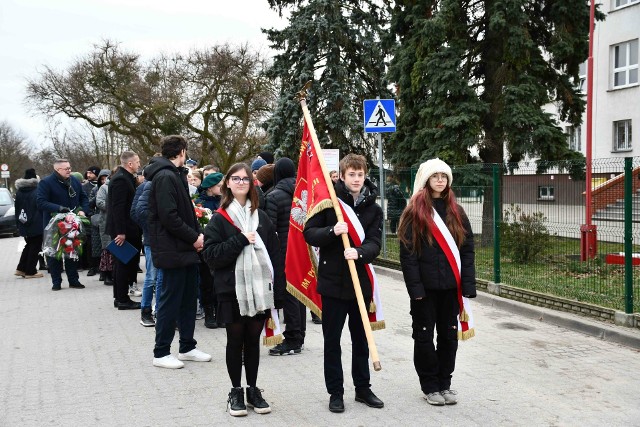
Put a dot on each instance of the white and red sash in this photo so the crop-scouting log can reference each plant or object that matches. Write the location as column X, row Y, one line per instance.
column 356, row 232
column 444, row 238
column 271, row 331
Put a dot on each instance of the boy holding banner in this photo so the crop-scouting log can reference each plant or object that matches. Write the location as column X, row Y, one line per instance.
column 437, row 258
column 363, row 224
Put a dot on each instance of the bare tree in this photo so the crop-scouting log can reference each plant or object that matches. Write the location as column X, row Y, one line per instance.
column 14, row 151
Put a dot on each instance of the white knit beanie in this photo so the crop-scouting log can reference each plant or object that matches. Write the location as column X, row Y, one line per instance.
column 427, row 169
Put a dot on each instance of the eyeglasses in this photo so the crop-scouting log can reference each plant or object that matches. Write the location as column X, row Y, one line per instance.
column 439, row 177
column 238, row 180
column 65, row 169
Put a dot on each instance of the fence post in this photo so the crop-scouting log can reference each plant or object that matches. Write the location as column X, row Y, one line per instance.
column 496, row 224
column 628, row 252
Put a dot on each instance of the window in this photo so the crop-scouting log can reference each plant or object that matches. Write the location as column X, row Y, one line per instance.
column 625, row 64
column 574, row 137
column 621, row 3
column 545, row 192
column 622, row 135
column 582, row 75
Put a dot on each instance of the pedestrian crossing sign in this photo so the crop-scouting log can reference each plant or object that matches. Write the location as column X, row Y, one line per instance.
column 379, row 115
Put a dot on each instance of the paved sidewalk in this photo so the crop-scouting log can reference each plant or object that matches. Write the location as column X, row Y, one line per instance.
column 69, row 358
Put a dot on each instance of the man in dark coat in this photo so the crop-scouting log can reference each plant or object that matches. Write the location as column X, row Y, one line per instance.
column 278, row 208
column 122, row 188
column 91, row 181
column 175, row 238
column 28, row 220
column 61, row 193
column 334, row 279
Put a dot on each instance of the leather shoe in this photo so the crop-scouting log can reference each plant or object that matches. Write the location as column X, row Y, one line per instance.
column 129, row 305
column 336, row 403
column 76, row 285
column 368, row 398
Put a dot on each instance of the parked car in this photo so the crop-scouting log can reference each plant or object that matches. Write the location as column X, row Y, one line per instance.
column 7, row 213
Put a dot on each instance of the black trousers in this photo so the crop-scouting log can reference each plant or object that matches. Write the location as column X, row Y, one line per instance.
column 437, row 310
column 28, row 263
column 295, row 318
column 124, row 275
column 334, row 314
column 207, row 295
column 177, row 304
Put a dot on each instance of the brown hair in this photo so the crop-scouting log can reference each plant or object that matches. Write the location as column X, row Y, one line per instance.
column 353, row 161
column 227, row 196
column 417, row 216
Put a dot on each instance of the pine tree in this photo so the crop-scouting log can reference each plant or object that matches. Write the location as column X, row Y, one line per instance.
column 335, row 43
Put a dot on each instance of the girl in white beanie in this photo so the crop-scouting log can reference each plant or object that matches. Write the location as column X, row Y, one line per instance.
column 433, row 230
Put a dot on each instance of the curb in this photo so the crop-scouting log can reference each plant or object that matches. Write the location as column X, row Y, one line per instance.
column 604, row 331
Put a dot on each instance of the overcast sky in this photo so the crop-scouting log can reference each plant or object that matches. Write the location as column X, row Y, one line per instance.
column 34, row 33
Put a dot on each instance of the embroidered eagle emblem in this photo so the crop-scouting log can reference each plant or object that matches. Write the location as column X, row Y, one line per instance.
column 299, row 212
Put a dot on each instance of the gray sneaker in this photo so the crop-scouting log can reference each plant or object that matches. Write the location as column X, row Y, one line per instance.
column 449, row 397
column 435, row 399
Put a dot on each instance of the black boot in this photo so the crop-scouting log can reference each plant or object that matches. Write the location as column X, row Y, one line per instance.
column 254, row 398
column 101, row 278
column 107, row 279
column 210, row 317
column 92, row 271
column 235, row 403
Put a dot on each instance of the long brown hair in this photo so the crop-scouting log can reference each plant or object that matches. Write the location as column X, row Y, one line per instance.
column 227, row 195
column 417, row 217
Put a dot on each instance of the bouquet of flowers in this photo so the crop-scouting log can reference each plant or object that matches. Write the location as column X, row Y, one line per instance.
column 63, row 236
column 202, row 214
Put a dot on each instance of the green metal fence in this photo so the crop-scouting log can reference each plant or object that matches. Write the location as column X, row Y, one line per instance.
column 535, row 243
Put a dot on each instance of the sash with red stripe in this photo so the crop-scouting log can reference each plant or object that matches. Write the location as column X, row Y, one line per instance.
column 356, row 233
column 446, row 241
column 271, row 331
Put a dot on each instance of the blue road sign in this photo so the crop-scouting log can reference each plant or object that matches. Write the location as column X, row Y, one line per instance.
column 379, row 115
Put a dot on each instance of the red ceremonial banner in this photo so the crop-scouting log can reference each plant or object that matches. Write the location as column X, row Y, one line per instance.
column 311, row 196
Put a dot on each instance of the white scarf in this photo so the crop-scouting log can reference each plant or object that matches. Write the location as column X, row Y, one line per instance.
column 254, row 271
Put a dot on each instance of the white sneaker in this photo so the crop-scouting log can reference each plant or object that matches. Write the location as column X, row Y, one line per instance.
column 169, row 361
column 134, row 291
column 195, row 355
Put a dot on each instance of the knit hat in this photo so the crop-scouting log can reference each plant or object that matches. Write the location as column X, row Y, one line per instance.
column 265, row 175
column 94, row 169
column 284, row 169
column 257, row 164
column 211, row 180
column 267, row 157
column 30, row 174
column 78, row 176
column 427, row 169
column 191, row 162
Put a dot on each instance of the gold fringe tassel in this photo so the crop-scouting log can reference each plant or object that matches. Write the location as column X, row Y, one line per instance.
column 464, row 316
column 304, row 299
column 325, row 204
column 271, row 341
column 468, row 334
column 270, row 323
column 372, row 307
column 376, row 326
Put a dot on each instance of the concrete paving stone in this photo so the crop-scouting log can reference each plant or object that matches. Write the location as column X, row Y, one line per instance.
column 69, row 358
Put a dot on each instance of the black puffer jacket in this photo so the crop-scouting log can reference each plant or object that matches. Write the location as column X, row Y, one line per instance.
column 28, row 216
column 223, row 242
column 173, row 227
column 278, row 201
column 431, row 270
column 334, row 278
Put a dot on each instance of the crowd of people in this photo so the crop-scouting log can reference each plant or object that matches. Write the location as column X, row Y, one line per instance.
column 231, row 270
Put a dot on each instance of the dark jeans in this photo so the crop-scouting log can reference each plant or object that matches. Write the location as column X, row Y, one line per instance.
column 334, row 314
column 434, row 365
column 295, row 318
column 177, row 304
column 123, row 276
column 29, row 259
column 55, row 269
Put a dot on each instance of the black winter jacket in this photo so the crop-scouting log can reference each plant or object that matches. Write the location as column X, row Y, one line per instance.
column 431, row 270
column 28, row 216
column 122, row 189
column 334, row 278
column 173, row 227
column 140, row 208
column 223, row 243
column 278, row 208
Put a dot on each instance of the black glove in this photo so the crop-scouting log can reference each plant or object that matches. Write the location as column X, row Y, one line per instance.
column 63, row 209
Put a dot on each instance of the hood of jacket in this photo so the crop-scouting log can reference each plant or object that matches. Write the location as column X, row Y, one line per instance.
column 156, row 165
column 26, row 184
column 284, row 168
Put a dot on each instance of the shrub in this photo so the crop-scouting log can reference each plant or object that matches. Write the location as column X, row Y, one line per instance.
column 524, row 236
